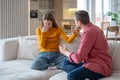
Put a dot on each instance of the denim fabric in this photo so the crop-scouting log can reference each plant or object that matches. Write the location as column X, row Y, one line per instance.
column 77, row 72
column 46, row 59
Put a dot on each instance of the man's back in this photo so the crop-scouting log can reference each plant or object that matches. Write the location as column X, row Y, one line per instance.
column 95, row 45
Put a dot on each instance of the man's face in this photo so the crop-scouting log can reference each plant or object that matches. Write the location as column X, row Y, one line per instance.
column 77, row 23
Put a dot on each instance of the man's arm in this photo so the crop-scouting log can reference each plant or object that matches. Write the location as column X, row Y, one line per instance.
column 87, row 42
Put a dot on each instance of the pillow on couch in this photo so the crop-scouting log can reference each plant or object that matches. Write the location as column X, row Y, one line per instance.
column 73, row 46
column 28, row 49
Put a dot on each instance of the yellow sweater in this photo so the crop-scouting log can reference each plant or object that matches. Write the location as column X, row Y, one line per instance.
column 49, row 41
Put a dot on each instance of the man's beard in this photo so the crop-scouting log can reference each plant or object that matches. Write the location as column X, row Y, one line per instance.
column 78, row 27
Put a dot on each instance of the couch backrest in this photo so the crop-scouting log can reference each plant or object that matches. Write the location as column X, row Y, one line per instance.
column 114, row 50
column 32, row 37
column 9, row 47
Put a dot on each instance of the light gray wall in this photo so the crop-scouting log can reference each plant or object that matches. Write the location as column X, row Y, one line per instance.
column 14, row 18
column 0, row 18
column 59, row 11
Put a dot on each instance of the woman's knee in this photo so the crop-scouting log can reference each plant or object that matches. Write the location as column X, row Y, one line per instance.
column 39, row 64
column 39, row 67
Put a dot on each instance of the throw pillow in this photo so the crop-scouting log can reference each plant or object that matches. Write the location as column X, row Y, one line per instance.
column 73, row 46
column 28, row 49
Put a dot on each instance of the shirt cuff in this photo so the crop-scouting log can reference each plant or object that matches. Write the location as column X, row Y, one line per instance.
column 70, row 58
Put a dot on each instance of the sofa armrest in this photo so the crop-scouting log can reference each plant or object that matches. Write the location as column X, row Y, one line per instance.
column 8, row 49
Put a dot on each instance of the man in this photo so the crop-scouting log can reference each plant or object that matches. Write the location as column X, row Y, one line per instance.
column 91, row 61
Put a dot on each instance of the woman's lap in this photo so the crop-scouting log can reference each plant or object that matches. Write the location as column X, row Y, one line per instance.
column 46, row 59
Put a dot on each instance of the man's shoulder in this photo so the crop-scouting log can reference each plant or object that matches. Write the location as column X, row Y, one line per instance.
column 91, row 31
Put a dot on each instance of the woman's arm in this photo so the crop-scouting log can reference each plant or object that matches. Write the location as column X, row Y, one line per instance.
column 66, row 38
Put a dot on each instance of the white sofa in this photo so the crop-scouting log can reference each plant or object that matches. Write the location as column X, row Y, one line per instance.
column 16, row 56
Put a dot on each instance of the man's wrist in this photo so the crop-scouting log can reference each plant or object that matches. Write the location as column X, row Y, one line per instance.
column 67, row 53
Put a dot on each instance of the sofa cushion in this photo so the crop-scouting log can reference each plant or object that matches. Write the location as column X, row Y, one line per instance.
column 21, row 70
column 63, row 76
column 28, row 49
column 59, row 76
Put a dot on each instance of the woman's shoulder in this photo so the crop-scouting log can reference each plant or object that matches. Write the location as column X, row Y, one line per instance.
column 38, row 28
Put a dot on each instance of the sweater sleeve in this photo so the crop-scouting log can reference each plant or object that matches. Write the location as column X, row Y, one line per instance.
column 87, row 42
column 66, row 38
column 41, row 37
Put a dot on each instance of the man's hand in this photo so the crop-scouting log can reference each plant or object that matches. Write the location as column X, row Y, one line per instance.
column 63, row 50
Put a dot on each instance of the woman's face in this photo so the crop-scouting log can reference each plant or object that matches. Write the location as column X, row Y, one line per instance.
column 47, row 23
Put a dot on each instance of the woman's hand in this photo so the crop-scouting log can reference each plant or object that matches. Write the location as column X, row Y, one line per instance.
column 47, row 25
column 44, row 28
column 63, row 50
column 77, row 32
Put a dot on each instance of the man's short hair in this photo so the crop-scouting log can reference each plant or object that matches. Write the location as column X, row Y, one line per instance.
column 82, row 16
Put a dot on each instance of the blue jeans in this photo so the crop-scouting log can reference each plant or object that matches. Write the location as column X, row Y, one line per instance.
column 77, row 72
column 46, row 59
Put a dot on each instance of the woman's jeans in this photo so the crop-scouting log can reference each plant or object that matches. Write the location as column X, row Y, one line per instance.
column 77, row 72
column 47, row 59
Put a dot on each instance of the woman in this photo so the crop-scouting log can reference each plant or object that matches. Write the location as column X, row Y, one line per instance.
column 48, row 40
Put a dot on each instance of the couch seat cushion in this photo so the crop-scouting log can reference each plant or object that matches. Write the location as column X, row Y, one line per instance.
column 20, row 70
column 62, row 76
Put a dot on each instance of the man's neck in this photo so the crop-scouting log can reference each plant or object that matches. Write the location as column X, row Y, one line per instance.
column 84, row 26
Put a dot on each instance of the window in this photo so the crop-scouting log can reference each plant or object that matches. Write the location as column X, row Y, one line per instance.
column 106, row 5
column 81, row 5
column 102, row 7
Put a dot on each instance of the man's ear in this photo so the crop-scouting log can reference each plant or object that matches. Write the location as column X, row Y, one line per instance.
column 79, row 23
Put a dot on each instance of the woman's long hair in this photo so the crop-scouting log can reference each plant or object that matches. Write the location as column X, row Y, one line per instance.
column 49, row 16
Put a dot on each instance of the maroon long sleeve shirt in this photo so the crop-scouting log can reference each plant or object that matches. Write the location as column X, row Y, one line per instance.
column 93, row 50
